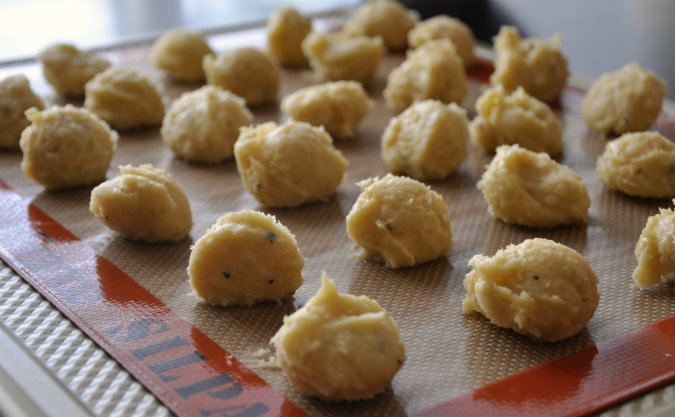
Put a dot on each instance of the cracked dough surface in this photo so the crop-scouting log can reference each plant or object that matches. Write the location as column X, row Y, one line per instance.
column 244, row 258
column 538, row 288
column 339, row 346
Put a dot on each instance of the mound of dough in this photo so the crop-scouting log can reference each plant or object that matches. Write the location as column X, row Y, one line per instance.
column 388, row 19
column 531, row 189
column 339, row 347
column 537, row 65
column 288, row 165
column 337, row 57
column 516, row 118
column 627, row 100
column 538, row 288
column 247, row 72
column 143, row 203
column 400, row 221
column 180, row 52
column 445, row 27
column 202, row 125
column 244, row 258
column 639, row 164
column 655, row 251
column 16, row 97
column 432, row 71
column 66, row 147
column 427, row 141
column 286, row 29
column 68, row 69
column 125, row 98
column 338, row 106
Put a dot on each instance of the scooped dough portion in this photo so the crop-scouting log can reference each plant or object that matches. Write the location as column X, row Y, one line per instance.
column 655, row 251
column 244, row 258
column 335, row 57
column 125, row 98
column 400, row 221
column 627, row 100
column 445, row 27
column 339, row 347
column 538, row 288
column 143, row 203
column 247, row 72
column 338, row 106
column 286, row 29
column 531, row 189
column 432, row 71
column 639, row 164
column 202, row 125
column 16, row 97
column 537, row 65
column 427, row 141
column 180, row 53
column 66, row 147
column 68, row 69
column 387, row 19
column 516, row 118
column 288, row 165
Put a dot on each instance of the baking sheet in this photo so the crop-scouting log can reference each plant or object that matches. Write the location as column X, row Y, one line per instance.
column 448, row 353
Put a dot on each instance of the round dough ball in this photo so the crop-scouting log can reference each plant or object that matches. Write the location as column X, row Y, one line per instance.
column 202, row 125
column 338, row 106
column 445, row 27
column 400, row 221
column 337, row 57
column 655, row 251
column 247, row 72
column 286, row 29
column 180, row 53
column 427, row 141
column 68, row 69
column 432, row 71
column 531, row 189
column 16, row 97
column 125, row 98
column 66, row 147
column 537, row 65
column 339, row 347
column 244, row 258
column 639, row 164
column 627, row 100
column 143, row 203
column 538, row 288
column 516, row 118
column 288, row 165
column 387, row 19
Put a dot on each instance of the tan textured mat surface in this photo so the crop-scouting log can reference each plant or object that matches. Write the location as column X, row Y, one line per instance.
column 448, row 353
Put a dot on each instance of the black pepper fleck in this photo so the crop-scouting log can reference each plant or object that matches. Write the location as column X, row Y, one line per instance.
column 400, row 361
column 535, row 276
column 583, row 299
column 271, row 237
column 270, row 281
column 226, row 274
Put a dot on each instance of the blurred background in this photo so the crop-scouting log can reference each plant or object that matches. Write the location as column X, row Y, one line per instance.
column 599, row 35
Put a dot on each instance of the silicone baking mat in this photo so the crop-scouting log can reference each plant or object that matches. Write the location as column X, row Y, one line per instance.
column 133, row 299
